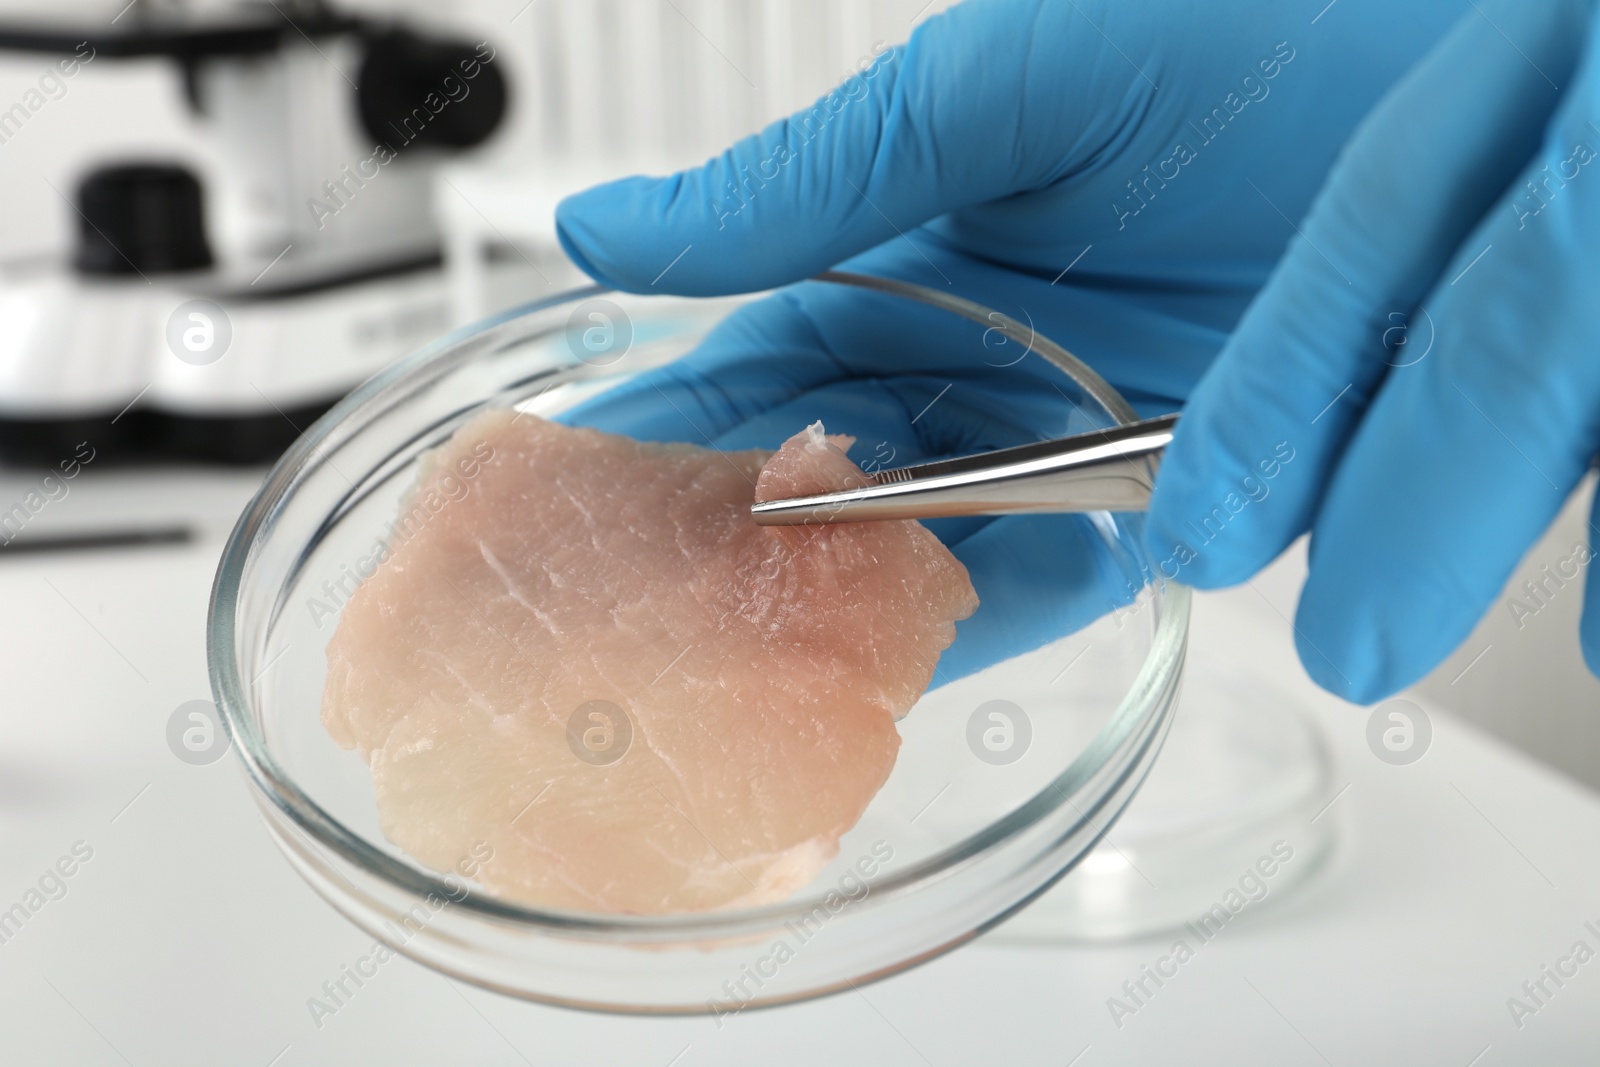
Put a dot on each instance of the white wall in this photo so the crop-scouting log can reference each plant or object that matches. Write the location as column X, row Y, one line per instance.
column 1531, row 687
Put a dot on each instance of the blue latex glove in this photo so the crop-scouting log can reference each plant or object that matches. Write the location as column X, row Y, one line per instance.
column 1465, row 216
column 1123, row 181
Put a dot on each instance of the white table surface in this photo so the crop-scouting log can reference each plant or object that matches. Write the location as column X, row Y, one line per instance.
column 186, row 939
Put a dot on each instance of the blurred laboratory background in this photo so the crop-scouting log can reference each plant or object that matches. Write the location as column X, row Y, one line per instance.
column 219, row 216
column 265, row 159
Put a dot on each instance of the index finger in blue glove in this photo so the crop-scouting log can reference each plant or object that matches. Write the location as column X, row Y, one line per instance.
column 927, row 127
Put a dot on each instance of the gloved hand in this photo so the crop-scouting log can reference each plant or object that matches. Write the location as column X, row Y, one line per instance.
column 1123, row 181
column 1427, row 350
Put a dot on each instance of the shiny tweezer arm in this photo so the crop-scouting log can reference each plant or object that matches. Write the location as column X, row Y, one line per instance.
column 1102, row 470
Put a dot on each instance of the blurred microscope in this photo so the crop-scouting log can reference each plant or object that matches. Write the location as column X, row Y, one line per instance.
column 352, row 183
column 214, row 319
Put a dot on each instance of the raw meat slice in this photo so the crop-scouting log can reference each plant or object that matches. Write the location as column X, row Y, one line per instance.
column 590, row 595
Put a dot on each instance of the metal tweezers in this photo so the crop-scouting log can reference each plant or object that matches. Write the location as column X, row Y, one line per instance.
column 1102, row 470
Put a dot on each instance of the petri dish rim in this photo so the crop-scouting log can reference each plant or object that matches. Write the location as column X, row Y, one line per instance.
column 1157, row 676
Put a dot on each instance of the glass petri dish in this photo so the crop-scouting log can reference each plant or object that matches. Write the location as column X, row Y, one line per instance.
column 959, row 838
column 1243, row 785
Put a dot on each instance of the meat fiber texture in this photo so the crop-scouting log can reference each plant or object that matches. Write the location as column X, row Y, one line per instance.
column 760, row 670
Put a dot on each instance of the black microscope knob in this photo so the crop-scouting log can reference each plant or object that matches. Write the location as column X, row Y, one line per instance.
column 417, row 91
column 141, row 218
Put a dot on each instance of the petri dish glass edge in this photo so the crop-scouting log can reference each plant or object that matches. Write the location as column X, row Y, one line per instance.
column 1148, row 702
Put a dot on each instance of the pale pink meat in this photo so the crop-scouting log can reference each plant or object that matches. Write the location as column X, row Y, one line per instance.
column 761, row 669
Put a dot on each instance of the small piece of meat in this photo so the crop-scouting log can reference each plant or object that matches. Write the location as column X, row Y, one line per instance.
column 584, row 578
